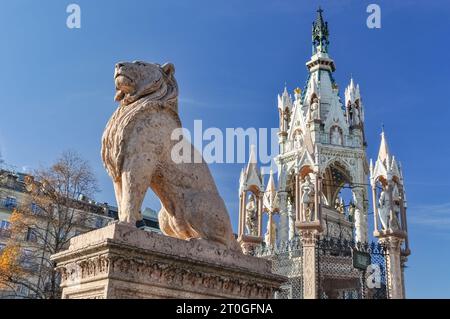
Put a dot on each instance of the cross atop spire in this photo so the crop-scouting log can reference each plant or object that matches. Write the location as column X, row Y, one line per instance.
column 320, row 35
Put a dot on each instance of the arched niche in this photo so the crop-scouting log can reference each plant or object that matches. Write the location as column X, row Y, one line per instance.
column 307, row 176
column 298, row 139
column 354, row 113
column 251, row 202
column 389, row 198
column 335, row 177
column 314, row 107
column 336, row 135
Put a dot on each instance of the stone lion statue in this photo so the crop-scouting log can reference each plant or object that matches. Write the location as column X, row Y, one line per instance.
column 136, row 151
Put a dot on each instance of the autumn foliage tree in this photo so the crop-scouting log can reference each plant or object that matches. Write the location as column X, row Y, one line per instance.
column 43, row 224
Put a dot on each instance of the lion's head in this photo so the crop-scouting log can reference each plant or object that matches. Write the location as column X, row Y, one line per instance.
column 135, row 80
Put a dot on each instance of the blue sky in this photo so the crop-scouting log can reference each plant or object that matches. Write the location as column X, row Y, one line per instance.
column 232, row 58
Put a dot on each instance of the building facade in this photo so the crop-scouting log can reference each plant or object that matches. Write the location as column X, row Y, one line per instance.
column 13, row 195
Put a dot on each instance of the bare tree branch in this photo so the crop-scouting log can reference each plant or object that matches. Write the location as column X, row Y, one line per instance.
column 49, row 218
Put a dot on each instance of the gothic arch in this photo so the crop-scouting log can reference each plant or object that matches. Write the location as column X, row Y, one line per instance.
column 312, row 97
column 335, row 176
column 254, row 189
column 297, row 144
column 304, row 170
column 330, row 161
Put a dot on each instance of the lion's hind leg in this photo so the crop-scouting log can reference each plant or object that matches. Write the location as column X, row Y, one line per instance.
column 164, row 223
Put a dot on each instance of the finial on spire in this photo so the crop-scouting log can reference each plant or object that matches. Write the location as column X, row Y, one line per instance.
column 252, row 158
column 320, row 33
column 383, row 153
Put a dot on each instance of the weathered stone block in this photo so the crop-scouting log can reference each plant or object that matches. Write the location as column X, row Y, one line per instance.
column 120, row 261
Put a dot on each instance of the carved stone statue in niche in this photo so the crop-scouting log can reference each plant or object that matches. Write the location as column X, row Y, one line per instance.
column 336, row 137
column 356, row 118
column 339, row 205
column 350, row 113
column 286, row 119
column 395, row 217
column 298, row 140
column 314, row 109
column 308, row 192
column 251, row 222
column 270, row 240
column 351, row 212
column 384, row 205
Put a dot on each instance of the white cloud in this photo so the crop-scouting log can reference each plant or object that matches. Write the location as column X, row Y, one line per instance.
column 433, row 215
column 189, row 101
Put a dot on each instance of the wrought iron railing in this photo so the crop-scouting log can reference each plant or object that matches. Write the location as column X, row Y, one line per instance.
column 338, row 278
column 286, row 258
column 291, row 246
column 337, row 275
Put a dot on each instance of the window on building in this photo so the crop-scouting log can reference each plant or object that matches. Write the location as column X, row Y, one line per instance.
column 5, row 225
column 35, row 208
column 10, row 202
column 28, row 260
column 23, row 291
column 5, row 231
column 99, row 222
column 31, row 235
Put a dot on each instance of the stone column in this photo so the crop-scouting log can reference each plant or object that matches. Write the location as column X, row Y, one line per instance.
column 360, row 215
column 394, row 266
column 272, row 240
column 260, row 213
column 375, row 209
column 282, row 141
column 284, row 227
column 291, row 218
column 242, row 200
column 403, row 260
column 317, row 198
column 310, row 265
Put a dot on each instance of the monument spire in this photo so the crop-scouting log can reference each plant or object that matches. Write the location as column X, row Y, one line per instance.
column 320, row 34
column 383, row 153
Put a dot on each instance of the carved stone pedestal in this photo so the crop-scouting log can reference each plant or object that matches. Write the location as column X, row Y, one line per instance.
column 309, row 238
column 120, row 261
column 393, row 241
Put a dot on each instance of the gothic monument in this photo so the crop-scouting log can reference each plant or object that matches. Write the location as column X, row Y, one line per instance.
column 311, row 230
